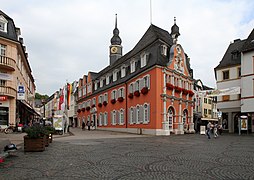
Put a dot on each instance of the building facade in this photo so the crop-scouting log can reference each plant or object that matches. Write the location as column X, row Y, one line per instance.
column 17, row 87
column 205, row 108
column 149, row 90
column 236, row 70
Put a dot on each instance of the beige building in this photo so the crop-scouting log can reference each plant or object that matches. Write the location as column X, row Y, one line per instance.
column 17, row 88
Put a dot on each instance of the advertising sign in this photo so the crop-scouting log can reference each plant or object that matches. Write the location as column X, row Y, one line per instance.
column 244, row 124
column 58, row 123
column 3, row 98
column 21, row 93
column 5, row 76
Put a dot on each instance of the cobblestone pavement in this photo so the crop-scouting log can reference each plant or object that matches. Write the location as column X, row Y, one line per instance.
column 107, row 155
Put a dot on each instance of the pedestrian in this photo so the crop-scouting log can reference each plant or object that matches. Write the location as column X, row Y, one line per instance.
column 83, row 125
column 220, row 129
column 88, row 125
column 215, row 129
column 208, row 129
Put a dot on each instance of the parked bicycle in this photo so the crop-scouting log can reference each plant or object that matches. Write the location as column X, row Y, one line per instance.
column 10, row 129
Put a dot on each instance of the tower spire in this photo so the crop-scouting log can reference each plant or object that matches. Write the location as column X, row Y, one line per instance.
column 175, row 32
column 115, row 48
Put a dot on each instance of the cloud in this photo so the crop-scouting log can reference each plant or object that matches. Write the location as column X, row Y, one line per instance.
column 66, row 39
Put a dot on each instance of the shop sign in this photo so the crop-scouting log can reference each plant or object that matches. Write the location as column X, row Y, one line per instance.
column 5, row 76
column 3, row 98
column 21, row 93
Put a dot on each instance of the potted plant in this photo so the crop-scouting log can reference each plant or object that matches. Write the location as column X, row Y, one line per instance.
column 144, row 90
column 83, row 109
column 120, row 99
column 169, row 86
column 100, row 104
column 35, row 138
column 113, row 101
column 130, row 95
column 105, row 103
column 78, row 110
column 137, row 93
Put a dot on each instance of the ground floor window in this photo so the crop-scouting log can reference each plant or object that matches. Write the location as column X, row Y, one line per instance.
column 4, row 115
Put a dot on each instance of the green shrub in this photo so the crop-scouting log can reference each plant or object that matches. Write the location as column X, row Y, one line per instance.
column 35, row 131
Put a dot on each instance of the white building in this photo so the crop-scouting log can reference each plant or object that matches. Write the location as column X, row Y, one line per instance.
column 236, row 70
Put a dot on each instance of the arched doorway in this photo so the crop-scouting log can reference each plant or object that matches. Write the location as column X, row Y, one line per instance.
column 170, row 115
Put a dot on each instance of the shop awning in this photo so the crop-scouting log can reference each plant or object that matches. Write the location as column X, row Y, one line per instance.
column 28, row 108
column 208, row 119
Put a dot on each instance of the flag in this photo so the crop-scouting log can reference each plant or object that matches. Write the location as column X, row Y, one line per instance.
column 61, row 98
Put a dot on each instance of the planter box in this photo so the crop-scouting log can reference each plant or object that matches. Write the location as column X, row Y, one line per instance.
column 113, row 101
column 47, row 140
column 105, row 103
column 137, row 93
column 100, row 105
column 34, row 145
column 120, row 99
column 130, row 95
column 144, row 90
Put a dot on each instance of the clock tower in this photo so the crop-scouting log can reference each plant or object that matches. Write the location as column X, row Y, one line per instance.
column 115, row 49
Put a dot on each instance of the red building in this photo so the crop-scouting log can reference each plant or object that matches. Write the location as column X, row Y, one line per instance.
column 148, row 90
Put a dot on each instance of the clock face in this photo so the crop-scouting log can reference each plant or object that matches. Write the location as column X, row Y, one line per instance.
column 113, row 49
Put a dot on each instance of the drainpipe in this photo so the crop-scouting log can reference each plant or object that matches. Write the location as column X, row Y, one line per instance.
column 126, row 107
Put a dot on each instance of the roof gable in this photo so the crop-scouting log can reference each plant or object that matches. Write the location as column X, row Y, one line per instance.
column 233, row 54
column 249, row 44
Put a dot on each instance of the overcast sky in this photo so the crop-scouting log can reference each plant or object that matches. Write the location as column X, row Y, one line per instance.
column 67, row 38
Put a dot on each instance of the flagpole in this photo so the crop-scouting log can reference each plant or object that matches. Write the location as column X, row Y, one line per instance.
column 150, row 11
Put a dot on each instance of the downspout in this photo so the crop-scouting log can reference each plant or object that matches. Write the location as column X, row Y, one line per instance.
column 126, row 111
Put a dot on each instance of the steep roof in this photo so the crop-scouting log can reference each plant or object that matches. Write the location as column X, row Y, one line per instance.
column 233, row 54
column 249, row 44
column 11, row 30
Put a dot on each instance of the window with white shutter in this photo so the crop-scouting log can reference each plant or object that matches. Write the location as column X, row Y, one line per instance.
column 146, row 113
column 121, row 117
column 137, row 114
column 133, row 64
column 105, row 119
column 106, row 97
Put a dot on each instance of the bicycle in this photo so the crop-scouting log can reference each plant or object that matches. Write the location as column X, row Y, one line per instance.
column 2, row 129
column 10, row 129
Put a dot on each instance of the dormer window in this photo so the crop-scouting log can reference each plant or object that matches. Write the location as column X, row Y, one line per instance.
column 101, row 82
column 144, row 58
column 133, row 62
column 107, row 79
column 123, row 71
column 115, row 75
column 3, row 24
column 95, row 85
column 164, row 50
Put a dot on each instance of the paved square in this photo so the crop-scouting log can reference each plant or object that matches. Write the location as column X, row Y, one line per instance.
column 136, row 157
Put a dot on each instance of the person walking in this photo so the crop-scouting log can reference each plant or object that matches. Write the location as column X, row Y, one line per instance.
column 83, row 125
column 88, row 125
column 215, row 130
column 208, row 129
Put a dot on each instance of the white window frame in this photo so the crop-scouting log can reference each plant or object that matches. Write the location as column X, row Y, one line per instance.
column 89, row 88
column 94, row 101
column 146, row 81
column 123, row 71
column 170, row 118
column 88, row 103
column 121, row 92
column 105, row 97
column 4, row 22
column 100, row 119
column 121, row 116
column 184, row 117
column 115, row 75
column 138, row 119
column 146, row 113
column 131, row 89
column 105, row 118
column 164, row 49
column 100, row 99
column 101, row 81
column 3, row 49
column 113, row 117
column 133, row 65
column 107, row 79
column 143, row 59
column 114, row 94
column 137, row 85
column 132, row 115
column 95, row 85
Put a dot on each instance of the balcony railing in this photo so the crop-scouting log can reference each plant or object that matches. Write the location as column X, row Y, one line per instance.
column 7, row 63
column 8, row 91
